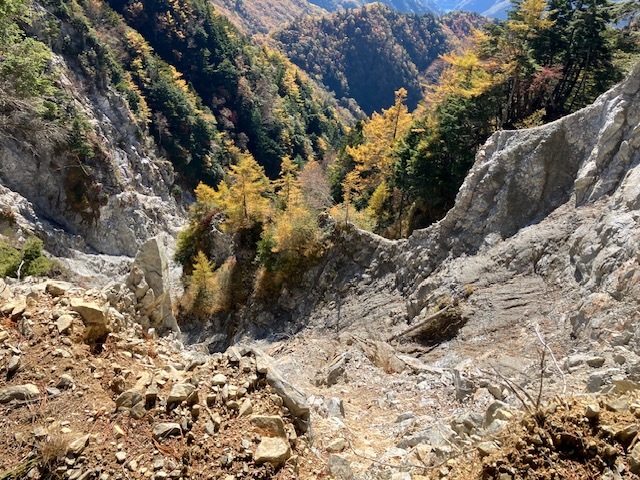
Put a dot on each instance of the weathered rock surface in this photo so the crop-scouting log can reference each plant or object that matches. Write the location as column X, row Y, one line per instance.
column 273, row 450
column 19, row 392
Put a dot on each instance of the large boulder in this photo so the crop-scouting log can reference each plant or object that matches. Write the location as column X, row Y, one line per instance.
column 150, row 281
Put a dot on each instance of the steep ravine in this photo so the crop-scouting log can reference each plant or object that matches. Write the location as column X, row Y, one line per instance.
column 541, row 251
column 554, row 208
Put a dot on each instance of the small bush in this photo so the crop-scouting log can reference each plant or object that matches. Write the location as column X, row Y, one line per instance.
column 52, row 452
column 27, row 261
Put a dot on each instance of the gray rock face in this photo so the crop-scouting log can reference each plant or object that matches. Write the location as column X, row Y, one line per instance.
column 127, row 189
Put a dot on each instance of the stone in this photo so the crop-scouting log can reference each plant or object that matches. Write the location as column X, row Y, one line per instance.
column 19, row 392
column 273, row 450
column 138, row 411
column 592, row 411
column 595, row 382
column 121, row 457
column 487, row 448
column 336, row 445
column 152, row 261
column 246, row 365
column 340, row 468
column 619, row 358
column 118, row 384
column 627, row 434
column 262, row 366
column 270, row 425
column 437, row 435
column 294, row 399
column 128, row 399
column 333, row 373
column 405, row 416
column 219, row 380
column 595, row 362
column 617, row 405
column 497, row 411
column 401, row 476
column 91, row 312
column 13, row 364
column 633, row 458
column 383, row 356
column 64, row 323
column 210, row 428
column 167, row 429
column 77, row 446
column 95, row 319
column 463, row 386
column 246, row 408
column 180, row 392
column 56, row 288
column 335, row 407
column 66, row 381
column 151, row 395
column 15, row 308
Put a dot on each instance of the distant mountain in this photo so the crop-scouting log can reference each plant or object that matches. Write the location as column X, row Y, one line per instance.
column 261, row 16
column 487, row 8
column 406, row 6
column 368, row 53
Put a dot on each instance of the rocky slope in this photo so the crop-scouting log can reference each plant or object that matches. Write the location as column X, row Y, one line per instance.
column 540, row 253
column 86, row 393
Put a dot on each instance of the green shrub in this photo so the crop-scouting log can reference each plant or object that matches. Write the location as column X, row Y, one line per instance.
column 29, row 260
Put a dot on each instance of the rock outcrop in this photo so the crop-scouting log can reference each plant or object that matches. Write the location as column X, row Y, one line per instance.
column 93, row 214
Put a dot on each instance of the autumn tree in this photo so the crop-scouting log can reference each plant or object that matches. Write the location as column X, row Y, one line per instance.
column 287, row 185
column 373, row 158
column 245, row 200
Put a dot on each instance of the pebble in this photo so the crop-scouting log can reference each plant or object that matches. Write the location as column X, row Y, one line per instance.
column 592, row 411
column 246, row 408
column 13, row 365
column 219, row 379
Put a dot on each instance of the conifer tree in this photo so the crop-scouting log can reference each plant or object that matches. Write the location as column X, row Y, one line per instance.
column 245, row 201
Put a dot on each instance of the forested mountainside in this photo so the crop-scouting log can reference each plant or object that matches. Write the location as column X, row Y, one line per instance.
column 257, row 97
column 402, row 169
column 125, row 130
column 368, row 53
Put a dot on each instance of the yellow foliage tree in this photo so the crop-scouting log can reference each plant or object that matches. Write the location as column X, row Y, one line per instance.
column 245, row 198
column 374, row 157
column 377, row 208
column 201, row 293
column 288, row 185
column 296, row 232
